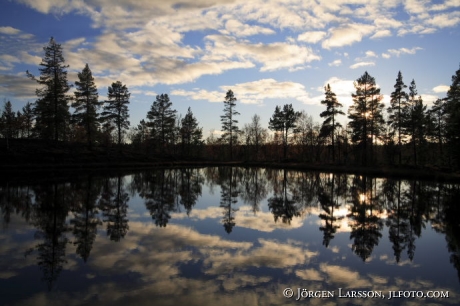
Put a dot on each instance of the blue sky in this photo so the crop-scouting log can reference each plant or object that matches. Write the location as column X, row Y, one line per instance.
column 268, row 52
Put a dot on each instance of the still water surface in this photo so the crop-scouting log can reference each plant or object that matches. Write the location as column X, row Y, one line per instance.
column 229, row 236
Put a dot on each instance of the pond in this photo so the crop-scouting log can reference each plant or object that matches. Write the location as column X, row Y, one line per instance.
column 229, row 236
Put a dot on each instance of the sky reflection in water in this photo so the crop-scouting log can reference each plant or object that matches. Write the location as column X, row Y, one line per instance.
column 226, row 236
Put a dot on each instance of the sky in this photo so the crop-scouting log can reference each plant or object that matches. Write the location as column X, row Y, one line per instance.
column 268, row 52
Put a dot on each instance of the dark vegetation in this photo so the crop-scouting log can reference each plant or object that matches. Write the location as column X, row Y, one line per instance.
column 406, row 137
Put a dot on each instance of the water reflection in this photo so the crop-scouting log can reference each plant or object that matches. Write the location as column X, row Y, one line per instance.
column 158, row 235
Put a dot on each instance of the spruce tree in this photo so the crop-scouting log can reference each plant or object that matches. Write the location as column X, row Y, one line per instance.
column 116, row 108
column 51, row 108
column 86, row 104
column 366, row 115
column 330, row 124
column 190, row 133
column 396, row 110
column 229, row 123
column 162, row 120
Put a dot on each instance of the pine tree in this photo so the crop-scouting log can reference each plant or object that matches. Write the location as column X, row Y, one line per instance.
column 366, row 115
column 415, row 120
column 86, row 104
column 453, row 117
column 190, row 133
column 330, row 125
column 162, row 120
column 116, row 109
column 51, row 109
column 284, row 121
column 396, row 110
column 229, row 123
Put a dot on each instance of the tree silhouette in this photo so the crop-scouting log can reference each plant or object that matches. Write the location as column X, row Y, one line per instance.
column 190, row 188
column 330, row 124
column 116, row 108
column 86, row 104
column 162, row 121
column 51, row 108
column 285, row 122
column 228, row 197
column 86, row 218
column 396, row 110
column 159, row 197
column 453, row 117
column 329, row 206
column 282, row 205
column 50, row 214
column 114, row 205
column 366, row 115
column 416, row 120
column 229, row 123
column 364, row 222
column 190, row 134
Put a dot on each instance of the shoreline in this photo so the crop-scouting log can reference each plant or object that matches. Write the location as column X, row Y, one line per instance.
column 403, row 172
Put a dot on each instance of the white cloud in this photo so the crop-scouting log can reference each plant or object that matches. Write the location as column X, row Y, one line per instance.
column 362, row 64
column 342, row 88
column 240, row 30
column 272, row 56
column 371, row 54
column 386, row 55
column 251, row 92
column 311, row 37
column 9, row 30
column 347, row 35
column 445, row 20
column 337, row 62
column 384, row 22
column 398, row 52
column 441, row 89
column 381, row 33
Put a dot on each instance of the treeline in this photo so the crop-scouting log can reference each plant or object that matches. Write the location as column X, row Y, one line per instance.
column 405, row 133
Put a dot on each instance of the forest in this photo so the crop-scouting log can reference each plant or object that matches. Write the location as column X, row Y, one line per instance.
column 407, row 133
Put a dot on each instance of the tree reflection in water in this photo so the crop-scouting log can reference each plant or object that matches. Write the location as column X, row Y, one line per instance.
column 64, row 212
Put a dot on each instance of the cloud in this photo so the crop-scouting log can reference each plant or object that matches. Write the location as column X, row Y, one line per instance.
column 251, row 92
column 445, row 20
column 386, row 55
column 398, row 52
column 239, row 29
column 343, row 90
column 9, row 31
column 381, row 33
column 311, row 37
column 362, row 64
column 348, row 35
column 18, row 86
column 337, row 62
column 371, row 54
column 441, row 88
column 271, row 56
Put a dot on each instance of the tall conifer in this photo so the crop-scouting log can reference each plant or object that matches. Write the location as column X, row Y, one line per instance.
column 86, row 104
column 116, row 108
column 51, row 108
